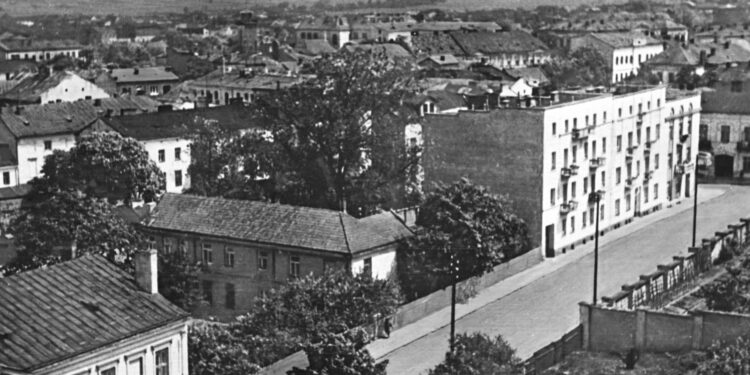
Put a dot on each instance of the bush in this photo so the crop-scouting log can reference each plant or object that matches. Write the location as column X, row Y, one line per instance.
column 341, row 354
column 727, row 358
column 479, row 354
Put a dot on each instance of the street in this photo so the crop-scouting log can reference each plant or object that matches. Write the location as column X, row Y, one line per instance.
column 543, row 310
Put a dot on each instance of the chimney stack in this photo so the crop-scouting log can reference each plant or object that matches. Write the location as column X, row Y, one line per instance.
column 146, row 271
column 135, row 71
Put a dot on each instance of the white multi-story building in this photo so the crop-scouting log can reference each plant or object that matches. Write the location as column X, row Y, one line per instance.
column 623, row 52
column 634, row 147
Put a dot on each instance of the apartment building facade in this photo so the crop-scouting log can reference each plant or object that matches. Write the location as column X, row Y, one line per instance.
column 633, row 146
column 623, row 52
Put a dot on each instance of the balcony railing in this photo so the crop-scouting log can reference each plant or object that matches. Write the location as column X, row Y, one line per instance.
column 596, row 162
column 569, row 171
column 568, row 207
column 743, row 146
column 579, row 134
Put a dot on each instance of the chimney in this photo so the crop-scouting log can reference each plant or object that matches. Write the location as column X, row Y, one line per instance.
column 713, row 51
column 135, row 71
column 702, row 60
column 726, row 45
column 555, row 96
column 146, row 271
column 97, row 102
column 278, row 85
column 108, row 113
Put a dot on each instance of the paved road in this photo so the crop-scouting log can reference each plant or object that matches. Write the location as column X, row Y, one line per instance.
column 542, row 311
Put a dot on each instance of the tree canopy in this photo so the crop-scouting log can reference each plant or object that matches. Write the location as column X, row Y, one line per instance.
column 583, row 67
column 477, row 353
column 464, row 231
column 341, row 354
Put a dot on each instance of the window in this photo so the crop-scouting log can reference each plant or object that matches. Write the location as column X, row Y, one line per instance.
column 638, row 136
column 619, row 112
column 47, row 145
column 725, row 134
column 177, row 153
column 566, row 126
column 162, row 156
column 294, row 266
column 656, row 161
column 604, row 146
column 208, row 293
column 228, row 257
column 585, row 185
column 553, row 161
column 564, row 226
column 656, row 191
column 575, row 123
column 135, row 367
column 583, row 222
column 617, row 207
column 167, row 246
column 619, row 143
column 263, row 260
column 161, row 362
column 182, row 247
column 229, row 296
column 367, row 267
column 552, row 197
column 6, row 178
column 630, row 139
column 587, row 120
column 565, row 158
column 178, row 178
column 154, row 90
column 627, row 202
column 604, row 116
column 746, row 163
column 592, row 217
column 645, row 194
column 554, row 128
column 631, row 109
column 603, row 179
column 573, row 190
column 572, row 224
column 618, row 175
column 601, row 211
column 594, row 120
column 586, row 150
column 574, row 151
column 746, row 131
column 208, row 254
column 658, row 102
column 108, row 371
column 593, row 149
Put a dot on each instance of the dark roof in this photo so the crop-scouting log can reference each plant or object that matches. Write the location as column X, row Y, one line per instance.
column 50, row 314
column 624, row 39
column 391, row 50
column 152, row 74
column 14, row 192
column 278, row 224
column 176, row 124
column 676, row 55
column 435, row 44
column 493, row 43
column 532, row 73
column 314, row 47
column 27, row 45
column 12, row 66
column 30, row 90
column 69, row 117
column 725, row 102
column 6, row 155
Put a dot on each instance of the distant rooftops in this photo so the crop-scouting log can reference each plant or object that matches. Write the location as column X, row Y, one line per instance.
column 148, row 74
column 625, row 39
column 12, row 44
column 244, row 81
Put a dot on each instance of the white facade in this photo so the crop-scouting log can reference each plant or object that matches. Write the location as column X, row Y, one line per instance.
column 32, row 151
column 380, row 264
column 40, row 55
column 627, row 61
column 9, row 176
column 628, row 147
column 73, row 88
column 165, row 347
column 172, row 156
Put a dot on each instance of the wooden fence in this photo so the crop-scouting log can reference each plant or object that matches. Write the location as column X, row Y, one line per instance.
column 670, row 280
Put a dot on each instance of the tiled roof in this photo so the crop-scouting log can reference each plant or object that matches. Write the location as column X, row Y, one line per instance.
column 27, row 45
column 437, row 26
column 435, row 44
column 492, row 43
column 14, row 192
column 248, row 82
column 151, row 74
column 54, row 313
column 30, row 90
column 676, row 55
column 529, row 74
column 277, row 224
column 69, row 117
column 725, row 102
column 625, row 39
column 391, row 50
column 176, row 124
column 12, row 66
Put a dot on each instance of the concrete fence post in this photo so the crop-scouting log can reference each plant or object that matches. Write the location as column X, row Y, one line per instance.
column 585, row 318
column 697, row 258
column 640, row 329
column 697, row 335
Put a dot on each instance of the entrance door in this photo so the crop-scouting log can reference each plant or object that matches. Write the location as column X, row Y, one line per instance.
column 549, row 243
column 637, row 202
column 687, row 186
column 724, row 165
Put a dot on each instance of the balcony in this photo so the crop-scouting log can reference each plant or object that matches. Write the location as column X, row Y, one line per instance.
column 596, row 162
column 579, row 134
column 630, row 181
column 595, row 196
column 631, row 149
column 705, row 145
column 569, row 171
column 568, row 207
column 648, row 175
column 679, row 169
column 743, row 146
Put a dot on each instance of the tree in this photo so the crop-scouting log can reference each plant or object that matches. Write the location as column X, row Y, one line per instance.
column 178, row 281
column 464, row 231
column 103, row 164
column 340, row 354
column 583, row 67
column 338, row 139
column 726, row 358
column 57, row 218
column 479, row 354
column 212, row 349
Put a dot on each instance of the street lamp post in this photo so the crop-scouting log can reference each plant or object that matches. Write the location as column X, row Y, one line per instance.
column 596, row 197
column 695, row 196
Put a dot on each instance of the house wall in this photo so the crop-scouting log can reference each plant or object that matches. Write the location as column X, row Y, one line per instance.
column 154, row 88
column 71, row 89
column 139, row 348
column 31, row 153
column 171, row 165
column 9, row 173
column 737, row 124
column 382, row 263
column 39, row 55
column 245, row 275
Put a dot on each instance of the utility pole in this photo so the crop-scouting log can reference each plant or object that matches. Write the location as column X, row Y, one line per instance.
column 695, row 196
column 596, row 197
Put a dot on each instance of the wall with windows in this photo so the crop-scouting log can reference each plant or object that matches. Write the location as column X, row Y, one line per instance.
column 162, row 351
column 40, row 55
column 728, row 139
column 71, row 89
column 172, row 156
column 32, row 151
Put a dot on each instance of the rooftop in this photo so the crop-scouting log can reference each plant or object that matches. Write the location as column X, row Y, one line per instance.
column 724, row 101
column 625, row 39
column 20, row 44
column 276, row 224
column 15, row 192
column 30, row 90
column 150, row 74
column 54, row 313
column 492, row 43
column 245, row 81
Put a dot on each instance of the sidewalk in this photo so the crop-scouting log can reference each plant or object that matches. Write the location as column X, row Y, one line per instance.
column 431, row 323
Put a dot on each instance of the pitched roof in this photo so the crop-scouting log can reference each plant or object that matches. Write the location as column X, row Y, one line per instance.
column 15, row 192
column 725, row 102
column 676, row 55
column 30, row 90
column 28, row 45
column 54, row 313
column 149, row 74
column 391, row 50
column 176, row 124
column 277, row 224
column 6, row 156
column 624, row 39
column 435, row 44
column 493, row 43
column 533, row 73
column 69, row 117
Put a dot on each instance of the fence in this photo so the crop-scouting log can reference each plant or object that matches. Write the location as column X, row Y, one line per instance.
column 657, row 289
column 555, row 352
column 606, row 329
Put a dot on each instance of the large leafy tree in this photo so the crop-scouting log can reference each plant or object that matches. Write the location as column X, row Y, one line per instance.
column 336, row 140
column 340, row 354
column 583, row 67
column 212, row 349
column 479, row 354
column 106, row 165
column 464, row 231
column 726, row 358
column 179, row 282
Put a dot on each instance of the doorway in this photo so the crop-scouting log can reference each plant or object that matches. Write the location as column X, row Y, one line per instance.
column 724, row 166
column 549, row 241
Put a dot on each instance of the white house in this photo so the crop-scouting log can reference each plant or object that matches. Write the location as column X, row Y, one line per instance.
column 16, row 47
column 623, row 52
column 53, row 88
column 106, row 323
